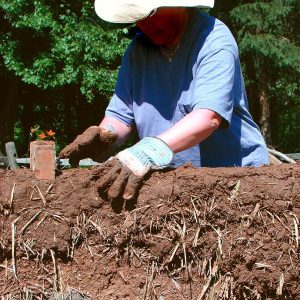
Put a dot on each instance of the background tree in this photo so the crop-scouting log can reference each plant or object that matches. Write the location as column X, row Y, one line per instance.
column 9, row 105
column 66, row 58
column 268, row 35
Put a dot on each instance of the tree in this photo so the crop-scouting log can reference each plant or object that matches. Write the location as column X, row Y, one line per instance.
column 51, row 44
column 59, row 46
column 9, row 106
column 269, row 41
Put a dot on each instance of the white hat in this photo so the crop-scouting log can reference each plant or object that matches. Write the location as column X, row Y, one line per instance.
column 130, row 11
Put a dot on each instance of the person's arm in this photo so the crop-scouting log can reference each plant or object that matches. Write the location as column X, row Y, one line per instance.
column 130, row 166
column 191, row 130
column 119, row 128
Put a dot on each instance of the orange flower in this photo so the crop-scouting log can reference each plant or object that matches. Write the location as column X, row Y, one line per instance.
column 50, row 133
column 42, row 135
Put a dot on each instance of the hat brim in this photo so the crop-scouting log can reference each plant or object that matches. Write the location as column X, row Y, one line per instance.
column 131, row 11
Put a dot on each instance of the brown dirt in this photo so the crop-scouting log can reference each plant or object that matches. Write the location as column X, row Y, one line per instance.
column 95, row 142
column 225, row 233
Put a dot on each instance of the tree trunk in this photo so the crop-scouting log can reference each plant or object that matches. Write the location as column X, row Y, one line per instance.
column 9, row 108
column 28, row 99
column 265, row 123
column 70, row 124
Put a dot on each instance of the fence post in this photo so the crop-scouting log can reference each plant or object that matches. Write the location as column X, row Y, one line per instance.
column 11, row 153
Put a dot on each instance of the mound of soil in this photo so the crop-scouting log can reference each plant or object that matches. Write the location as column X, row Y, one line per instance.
column 224, row 233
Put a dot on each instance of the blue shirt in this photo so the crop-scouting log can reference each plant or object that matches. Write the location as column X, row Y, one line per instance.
column 153, row 94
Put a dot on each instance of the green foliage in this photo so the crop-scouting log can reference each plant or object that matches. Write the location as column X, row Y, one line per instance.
column 267, row 30
column 286, row 110
column 68, row 60
column 52, row 44
column 269, row 41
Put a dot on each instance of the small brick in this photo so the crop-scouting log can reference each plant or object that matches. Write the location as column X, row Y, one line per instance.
column 42, row 159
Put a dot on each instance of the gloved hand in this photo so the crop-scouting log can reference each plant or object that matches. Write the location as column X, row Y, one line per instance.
column 129, row 167
column 93, row 143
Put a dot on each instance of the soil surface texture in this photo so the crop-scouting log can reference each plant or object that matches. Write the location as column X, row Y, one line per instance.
column 223, row 233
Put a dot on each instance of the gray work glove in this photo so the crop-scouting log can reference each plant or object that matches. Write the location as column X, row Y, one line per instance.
column 130, row 166
column 95, row 143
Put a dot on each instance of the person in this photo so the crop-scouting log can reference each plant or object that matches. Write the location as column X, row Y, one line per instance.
column 181, row 86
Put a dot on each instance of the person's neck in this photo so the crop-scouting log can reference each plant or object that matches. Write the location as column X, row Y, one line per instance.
column 174, row 44
column 171, row 47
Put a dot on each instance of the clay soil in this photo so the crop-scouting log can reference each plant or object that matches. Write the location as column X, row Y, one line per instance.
column 225, row 233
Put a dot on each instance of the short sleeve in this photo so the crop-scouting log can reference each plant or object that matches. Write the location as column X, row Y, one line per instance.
column 120, row 105
column 215, row 83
